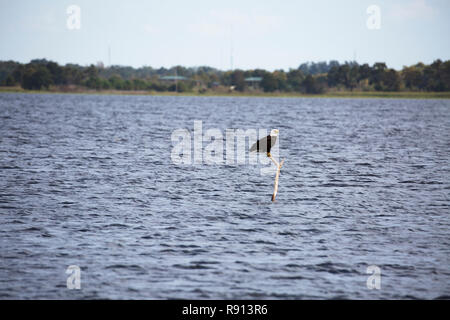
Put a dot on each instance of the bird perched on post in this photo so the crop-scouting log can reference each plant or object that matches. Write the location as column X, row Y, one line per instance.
column 266, row 143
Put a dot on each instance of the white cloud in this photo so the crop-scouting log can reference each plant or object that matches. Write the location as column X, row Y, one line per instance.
column 415, row 9
column 220, row 23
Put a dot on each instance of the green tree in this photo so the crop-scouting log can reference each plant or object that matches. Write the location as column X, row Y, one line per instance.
column 352, row 77
column 446, row 75
column 391, row 80
column 57, row 73
column 294, row 79
column 333, row 77
column 139, row 84
column 269, row 83
column 377, row 75
column 72, row 74
column 312, row 86
column 412, row 78
column 281, row 79
column 344, row 75
column 238, row 80
column 127, row 85
column 10, row 81
column 105, row 84
column 94, row 83
column 434, row 76
column 116, row 82
column 36, row 77
column 91, row 71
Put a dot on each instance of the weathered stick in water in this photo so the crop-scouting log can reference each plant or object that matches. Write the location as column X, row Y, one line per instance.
column 277, row 176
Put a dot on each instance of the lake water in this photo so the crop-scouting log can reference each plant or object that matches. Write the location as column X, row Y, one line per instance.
column 88, row 180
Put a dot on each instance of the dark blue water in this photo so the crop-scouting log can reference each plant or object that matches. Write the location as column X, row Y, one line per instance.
column 88, row 180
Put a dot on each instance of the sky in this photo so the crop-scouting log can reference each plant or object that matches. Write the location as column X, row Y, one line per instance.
column 245, row 34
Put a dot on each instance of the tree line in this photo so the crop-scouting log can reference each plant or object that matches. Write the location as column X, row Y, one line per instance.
column 310, row 78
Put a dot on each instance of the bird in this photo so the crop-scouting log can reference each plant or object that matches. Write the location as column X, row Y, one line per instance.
column 266, row 143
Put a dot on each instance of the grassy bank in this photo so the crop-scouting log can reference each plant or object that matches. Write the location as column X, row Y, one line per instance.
column 339, row 94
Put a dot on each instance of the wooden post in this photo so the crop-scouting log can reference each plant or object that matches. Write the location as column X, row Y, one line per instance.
column 277, row 176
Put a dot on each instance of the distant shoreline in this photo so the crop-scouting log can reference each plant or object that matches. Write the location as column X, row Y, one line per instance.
column 338, row 94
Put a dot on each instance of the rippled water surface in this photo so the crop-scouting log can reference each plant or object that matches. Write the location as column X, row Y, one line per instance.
column 88, row 180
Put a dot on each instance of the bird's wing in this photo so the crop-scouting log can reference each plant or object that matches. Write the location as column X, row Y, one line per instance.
column 260, row 145
column 254, row 146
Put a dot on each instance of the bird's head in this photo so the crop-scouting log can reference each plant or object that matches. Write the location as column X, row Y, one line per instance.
column 274, row 132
